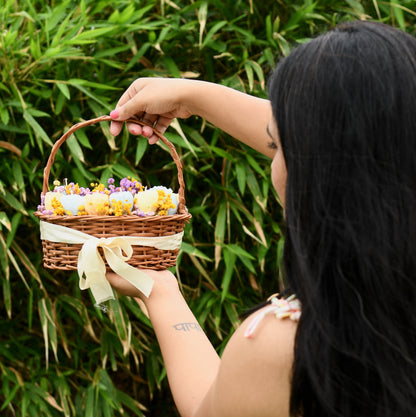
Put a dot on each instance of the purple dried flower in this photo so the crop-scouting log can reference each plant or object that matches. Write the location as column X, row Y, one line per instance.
column 125, row 183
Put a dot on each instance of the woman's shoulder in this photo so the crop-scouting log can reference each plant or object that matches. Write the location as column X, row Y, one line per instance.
column 256, row 367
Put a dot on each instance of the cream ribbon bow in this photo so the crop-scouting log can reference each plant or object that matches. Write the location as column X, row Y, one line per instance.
column 91, row 267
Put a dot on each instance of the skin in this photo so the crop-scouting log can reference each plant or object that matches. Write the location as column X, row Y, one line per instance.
column 279, row 171
column 253, row 376
column 158, row 101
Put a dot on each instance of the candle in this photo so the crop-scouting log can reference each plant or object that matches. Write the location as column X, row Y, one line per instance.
column 73, row 203
column 175, row 201
column 97, row 203
column 49, row 196
column 145, row 201
column 121, row 202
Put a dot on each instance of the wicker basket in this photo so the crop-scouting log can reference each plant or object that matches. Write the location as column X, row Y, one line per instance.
column 64, row 256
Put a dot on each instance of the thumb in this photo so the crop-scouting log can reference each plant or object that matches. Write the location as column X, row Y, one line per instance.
column 132, row 108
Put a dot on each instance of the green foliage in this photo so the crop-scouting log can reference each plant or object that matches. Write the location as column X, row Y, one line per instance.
column 64, row 61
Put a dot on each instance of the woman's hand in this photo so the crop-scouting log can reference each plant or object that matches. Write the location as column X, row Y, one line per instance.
column 164, row 282
column 157, row 101
column 154, row 101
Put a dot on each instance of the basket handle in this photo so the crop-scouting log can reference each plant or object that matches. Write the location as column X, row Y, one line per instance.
column 70, row 131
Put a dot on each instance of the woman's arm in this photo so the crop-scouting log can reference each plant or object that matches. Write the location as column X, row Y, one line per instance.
column 191, row 361
column 158, row 101
column 253, row 376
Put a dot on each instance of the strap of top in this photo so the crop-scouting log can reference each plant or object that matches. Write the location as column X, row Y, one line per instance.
column 281, row 307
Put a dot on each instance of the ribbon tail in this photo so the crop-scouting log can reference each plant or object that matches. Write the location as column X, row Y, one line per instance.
column 139, row 279
column 100, row 288
column 93, row 268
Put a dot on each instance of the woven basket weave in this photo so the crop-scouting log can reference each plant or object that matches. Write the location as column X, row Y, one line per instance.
column 65, row 256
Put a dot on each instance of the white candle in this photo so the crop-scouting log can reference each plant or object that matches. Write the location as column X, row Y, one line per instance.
column 71, row 203
column 49, row 196
column 121, row 202
column 175, row 200
column 146, row 200
column 95, row 203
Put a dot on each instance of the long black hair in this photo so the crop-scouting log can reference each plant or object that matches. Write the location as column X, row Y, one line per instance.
column 345, row 106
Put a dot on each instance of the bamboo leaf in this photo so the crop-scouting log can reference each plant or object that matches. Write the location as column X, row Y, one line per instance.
column 56, row 16
column 398, row 14
column 259, row 73
column 192, row 250
column 4, row 220
column 202, row 18
column 90, row 408
column 4, row 116
column 64, row 89
column 3, row 257
column 90, row 36
column 123, row 171
column 15, row 224
column 211, row 33
column 122, row 327
column 36, row 127
column 12, row 201
column 7, row 296
column 232, row 314
column 141, row 148
column 12, row 259
column 9, row 398
column 252, row 235
column 62, row 27
column 129, row 402
column 48, row 327
column 244, row 256
column 255, row 165
column 75, row 149
column 223, row 153
column 23, row 258
column 249, row 73
column 171, row 66
column 81, row 313
column 19, row 178
column 44, row 324
column 241, row 175
column 77, row 82
column 220, row 231
column 229, row 259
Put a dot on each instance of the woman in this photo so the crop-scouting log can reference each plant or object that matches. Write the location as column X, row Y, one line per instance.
column 342, row 128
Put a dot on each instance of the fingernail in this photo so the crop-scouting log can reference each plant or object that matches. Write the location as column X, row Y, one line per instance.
column 114, row 114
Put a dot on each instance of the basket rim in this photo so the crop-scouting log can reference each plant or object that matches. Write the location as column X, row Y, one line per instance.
column 129, row 217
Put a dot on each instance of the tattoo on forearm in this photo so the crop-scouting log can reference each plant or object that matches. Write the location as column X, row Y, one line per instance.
column 187, row 327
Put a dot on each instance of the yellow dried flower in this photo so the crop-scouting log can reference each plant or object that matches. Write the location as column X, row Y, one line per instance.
column 98, row 187
column 103, row 209
column 82, row 211
column 58, row 209
column 163, row 204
